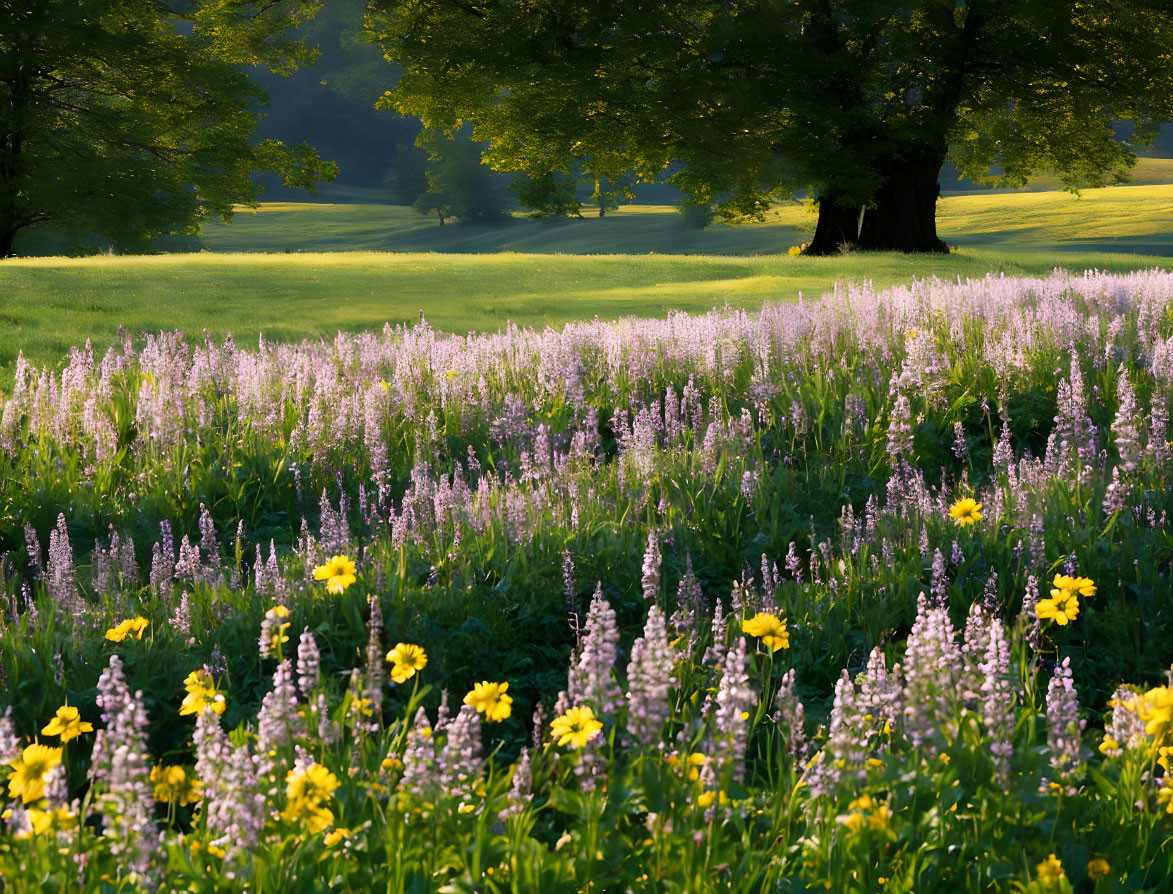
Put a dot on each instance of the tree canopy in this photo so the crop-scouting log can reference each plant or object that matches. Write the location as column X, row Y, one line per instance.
column 446, row 177
column 741, row 102
column 331, row 104
column 136, row 118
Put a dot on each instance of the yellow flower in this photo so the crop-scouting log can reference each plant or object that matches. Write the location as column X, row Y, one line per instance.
column 1156, row 710
column 40, row 822
column 362, row 707
column 1060, row 609
column 865, row 812
column 314, row 817
column 1165, row 796
column 332, row 838
column 280, row 611
column 201, row 693
column 1110, row 747
column 390, row 764
column 278, row 636
column 338, row 573
column 67, row 724
column 31, row 771
column 132, row 625
column 490, row 699
column 1070, row 586
column 310, row 783
column 306, row 790
column 1164, row 753
column 966, row 511
column 117, row 634
column 406, row 660
column 1098, row 867
column 1050, row 872
column 576, row 727
column 173, row 784
column 706, row 799
column 769, row 629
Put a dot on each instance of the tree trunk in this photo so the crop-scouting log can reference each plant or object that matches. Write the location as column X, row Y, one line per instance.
column 838, row 226
column 904, row 216
column 8, row 233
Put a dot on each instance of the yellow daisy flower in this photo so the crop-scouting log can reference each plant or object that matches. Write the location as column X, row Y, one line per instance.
column 332, row 838
column 1050, row 872
column 490, row 699
column 174, row 784
column 406, row 659
column 125, row 628
column 40, row 822
column 338, row 573
column 306, row 790
column 1070, row 586
column 1156, row 710
column 966, row 511
column 201, row 693
column 770, row 629
column 576, row 727
column 31, row 771
column 67, row 724
column 1060, row 609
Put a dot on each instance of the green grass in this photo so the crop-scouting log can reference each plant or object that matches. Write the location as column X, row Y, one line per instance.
column 314, row 269
column 53, row 303
column 1132, row 219
column 634, row 229
column 1128, row 218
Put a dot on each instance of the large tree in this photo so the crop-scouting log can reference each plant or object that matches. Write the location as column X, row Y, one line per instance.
column 744, row 101
column 131, row 119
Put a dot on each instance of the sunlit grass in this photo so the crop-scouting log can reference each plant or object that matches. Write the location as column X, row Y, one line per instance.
column 53, row 303
column 304, row 279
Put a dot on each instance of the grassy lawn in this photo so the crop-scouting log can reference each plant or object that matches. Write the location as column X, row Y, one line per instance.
column 1132, row 219
column 298, row 270
column 51, row 304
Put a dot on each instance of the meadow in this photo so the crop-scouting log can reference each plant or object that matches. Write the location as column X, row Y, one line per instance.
column 869, row 592
column 305, row 270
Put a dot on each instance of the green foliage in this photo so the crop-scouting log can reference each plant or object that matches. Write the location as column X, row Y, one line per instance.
column 446, row 177
column 496, row 481
column 696, row 215
column 53, row 303
column 132, row 120
column 743, row 102
column 407, row 177
column 331, row 104
column 548, row 195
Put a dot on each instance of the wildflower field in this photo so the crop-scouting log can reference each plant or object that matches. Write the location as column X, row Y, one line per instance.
column 870, row 593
